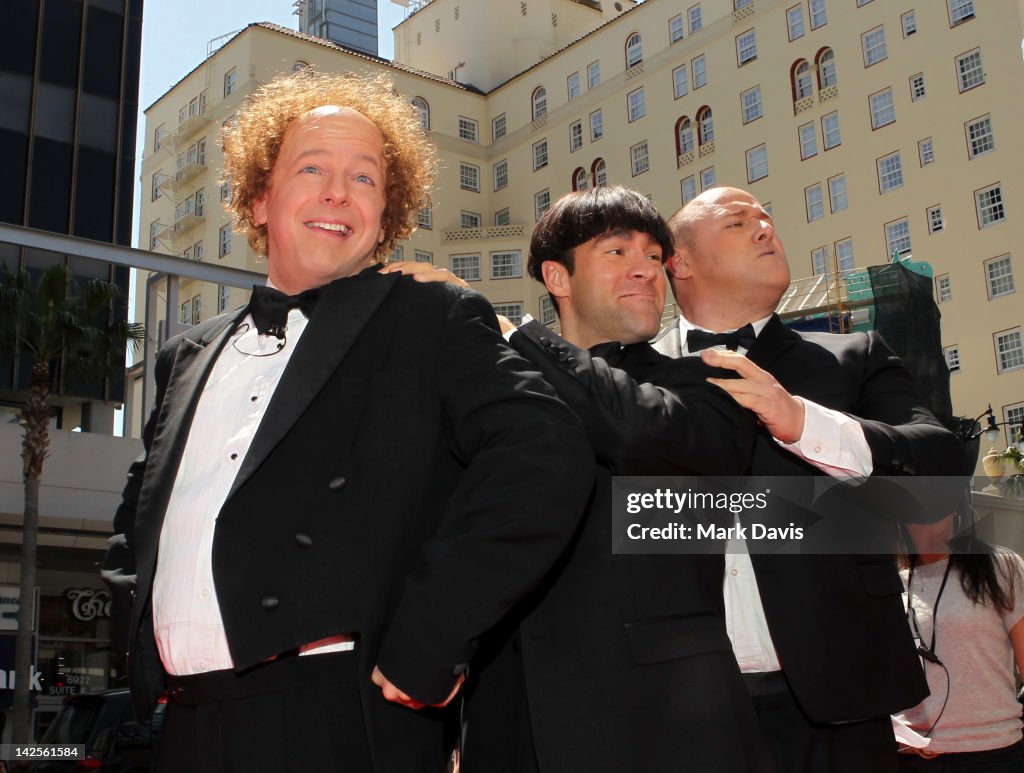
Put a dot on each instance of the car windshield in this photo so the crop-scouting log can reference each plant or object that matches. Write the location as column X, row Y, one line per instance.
column 74, row 723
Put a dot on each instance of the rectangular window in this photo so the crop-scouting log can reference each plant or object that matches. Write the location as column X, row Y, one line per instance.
column 638, row 159
column 547, row 310
column 468, row 129
column 514, row 312
column 422, row 256
column 819, row 17
column 960, row 11
column 909, row 22
column 223, row 298
column 230, row 82
column 397, row 254
column 815, row 201
column 224, row 247
column 469, row 219
column 155, row 228
column 844, row 255
column 935, row 221
column 158, row 135
column 225, row 191
column 873, row 44
column 198, row 250
column 635, row 107
column 989, row 202
column 500, row 175
column 830, row 131
column 897, row 236
column 499, row 127
column 969, row 70
column 917, row 90
column 688, row 189
column 466, row 267
column 154, row 189
column 680, row 84
column 596, row 126
column 808, row 140
column 541, row 203
column 572, row 85
column 693, row 17
column 540, row 154
column 795, row 21
column 707, row 178
column 676, row 29
column 999, row 276
column 1013, row 415
column 1009, row 350
column 943, row 288
column 750, row 101
column 185, row 314
column 926, row 151
column 700, row 72
column 469, row 177
column 757, row 163
column 575, row 136
column 890, row 172
column 593, row 74
column 425, row 218
column 883, row 112
column 952, row 355
column 819, row 262
column 837, row 193
column 502, row 217
column 746, row 47
column 506, row 265
column 980, row 139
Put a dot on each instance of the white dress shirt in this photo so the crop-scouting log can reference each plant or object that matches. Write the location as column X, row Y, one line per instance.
column 186, row 616
column 832, row 442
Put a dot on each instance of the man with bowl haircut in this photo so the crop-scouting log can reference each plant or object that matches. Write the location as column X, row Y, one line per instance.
column 622, row 662
column 330, row 511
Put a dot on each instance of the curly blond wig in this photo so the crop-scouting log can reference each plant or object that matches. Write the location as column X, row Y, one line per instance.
column 252, row 142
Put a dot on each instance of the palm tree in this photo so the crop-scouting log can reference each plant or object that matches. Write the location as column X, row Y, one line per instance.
column 69, row 331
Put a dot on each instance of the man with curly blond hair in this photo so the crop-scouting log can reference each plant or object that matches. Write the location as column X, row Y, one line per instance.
column 330, row 511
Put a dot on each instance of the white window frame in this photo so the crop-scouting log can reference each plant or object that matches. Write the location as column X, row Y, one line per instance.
column 838, row 198
column 469, row 219
column 469, row 129
column 883, row 108
column 594, row 75
column 513, row 310
column 596, row 125
column 951, row 354
column 230, row 81
column 943, row 288
column 425, row 218
column 688, row 189
column 469, row 177
column 933, row 216
column 572, row 85
column 694, row 18
column 635, row 105
column 575, row 136
column 894, row 240
column 708, row 178
column 993, row 210
column 541, row 203
column 890, row 172
column 676, row 29
column 757, row 163
column 795, row 22
column 960, row 11
column 1009, row 347
column 422, row 256
column 980, row 136
column 970, row 70
column 499, row 127
column 699, row 71
column 746, row 47
column 540, row 154
column 873, row 46
column 808, row 138
column 502, row 217
column 224, row 240
column 814, row 202
column 639, row 158
column 634, row 49
column 506, row 264
column 926, row 151
column 831, row 134
column 917, row 87
column 844, row 255
column 908, row 22
column 465, row 266
column 501, row 174
column 999, row 279
column 818, row 13
column 680, row 81
column 751, row 104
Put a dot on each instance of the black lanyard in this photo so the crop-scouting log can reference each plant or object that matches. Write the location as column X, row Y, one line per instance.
column 935, row 608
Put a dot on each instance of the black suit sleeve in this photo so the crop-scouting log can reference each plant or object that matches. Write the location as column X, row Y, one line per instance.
column 682, row 426
column 904, row 437
column 528, row 475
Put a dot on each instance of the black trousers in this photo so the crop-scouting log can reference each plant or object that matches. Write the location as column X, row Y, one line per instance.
column 296, row 714
column 802, row 746
column 1009, row 759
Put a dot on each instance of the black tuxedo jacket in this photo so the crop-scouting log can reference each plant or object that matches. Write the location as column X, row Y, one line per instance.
column 837, row 621
column 410, row 480
column 624, row 660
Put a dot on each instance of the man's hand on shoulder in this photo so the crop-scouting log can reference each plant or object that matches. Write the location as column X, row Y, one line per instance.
column 395, row 695
column 781, row 413
column 423, row 272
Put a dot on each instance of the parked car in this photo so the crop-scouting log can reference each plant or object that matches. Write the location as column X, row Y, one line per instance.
column 115, row 742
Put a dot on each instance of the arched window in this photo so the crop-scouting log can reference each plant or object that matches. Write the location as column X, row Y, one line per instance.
column 600, row 175
column 539, row 102
column 634, row 50
column 580, row 180
column 705, row 126
column 803, row 86
column 684, row 136
column 827, row 68
column 424, row 112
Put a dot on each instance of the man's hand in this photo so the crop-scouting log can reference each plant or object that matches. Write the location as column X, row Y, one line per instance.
column 393, row 694
column 423, row 272
column 781, row 413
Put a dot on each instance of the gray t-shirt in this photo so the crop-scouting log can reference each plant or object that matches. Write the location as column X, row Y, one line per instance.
column 973, row 642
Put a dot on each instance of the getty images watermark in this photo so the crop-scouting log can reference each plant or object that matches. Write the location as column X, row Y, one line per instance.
column 798, row 515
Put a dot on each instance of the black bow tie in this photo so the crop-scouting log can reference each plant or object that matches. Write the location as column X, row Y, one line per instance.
column 699, row 339
column 606, row 351
column 269, row 308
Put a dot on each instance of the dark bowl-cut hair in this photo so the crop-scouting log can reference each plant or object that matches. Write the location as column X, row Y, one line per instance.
column 581, row 216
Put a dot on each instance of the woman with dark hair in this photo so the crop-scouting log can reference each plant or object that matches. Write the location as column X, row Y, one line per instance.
column 965, row 606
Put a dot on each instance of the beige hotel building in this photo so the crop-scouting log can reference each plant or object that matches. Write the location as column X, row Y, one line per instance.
column 872, row 127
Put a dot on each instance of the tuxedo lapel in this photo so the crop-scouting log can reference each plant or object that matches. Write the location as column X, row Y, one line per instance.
column 774, row 341
column 667, row 342
column 342, row 312
column 193, row 360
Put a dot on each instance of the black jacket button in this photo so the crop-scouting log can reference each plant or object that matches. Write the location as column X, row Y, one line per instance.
column 270, row 603
column 303, row 540
column 336, row 484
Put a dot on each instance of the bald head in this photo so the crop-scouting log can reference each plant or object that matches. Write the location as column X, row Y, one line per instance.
column 729, row 267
